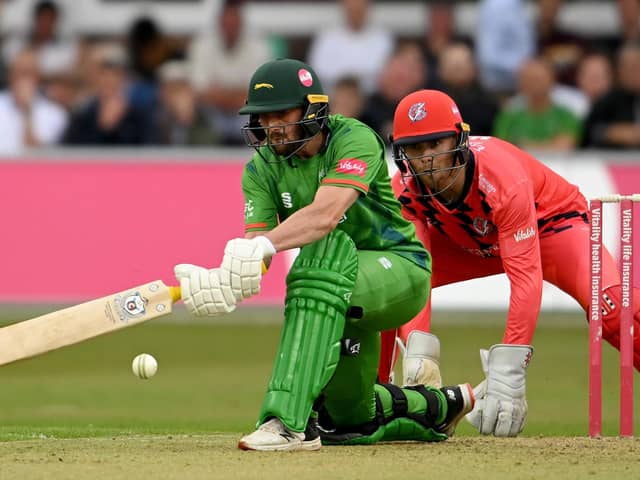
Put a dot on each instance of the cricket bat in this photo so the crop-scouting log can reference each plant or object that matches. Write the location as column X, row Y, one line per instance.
column 87, row 320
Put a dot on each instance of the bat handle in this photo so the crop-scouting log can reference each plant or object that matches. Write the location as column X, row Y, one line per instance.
column 175, row 294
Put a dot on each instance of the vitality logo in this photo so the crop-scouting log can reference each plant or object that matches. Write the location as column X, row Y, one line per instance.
column 524, row 234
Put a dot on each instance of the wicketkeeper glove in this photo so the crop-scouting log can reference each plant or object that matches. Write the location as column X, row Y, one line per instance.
column 203, row 293
column 421, row 360
column 501, row 404
column 243, row 264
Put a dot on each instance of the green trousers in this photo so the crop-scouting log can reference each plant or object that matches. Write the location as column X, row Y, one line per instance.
column 390, row 290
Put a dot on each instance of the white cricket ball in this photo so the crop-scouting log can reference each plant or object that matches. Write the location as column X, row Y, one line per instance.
column 144, row 366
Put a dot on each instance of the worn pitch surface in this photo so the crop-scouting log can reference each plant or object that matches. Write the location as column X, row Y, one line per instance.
column 80, row 413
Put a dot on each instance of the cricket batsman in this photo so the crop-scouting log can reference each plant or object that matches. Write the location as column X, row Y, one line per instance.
column 320, row 183
column 481, row 206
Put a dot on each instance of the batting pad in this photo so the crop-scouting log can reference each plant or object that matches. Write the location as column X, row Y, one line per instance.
column 319, row 287
column 402, row 414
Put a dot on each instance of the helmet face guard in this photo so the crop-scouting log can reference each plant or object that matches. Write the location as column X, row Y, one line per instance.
column 409, row 173
column 313, row 121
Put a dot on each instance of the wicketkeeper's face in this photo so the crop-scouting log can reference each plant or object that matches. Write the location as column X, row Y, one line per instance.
column 432, row 160
column 283, row 130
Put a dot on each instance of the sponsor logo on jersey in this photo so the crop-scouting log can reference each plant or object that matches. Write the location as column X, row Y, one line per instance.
column 248, row 209
column 286, row 200
column 524, row 234
column 417, row 112
column 485, row 184
column 258, row 86
column 351, row 166
column 305, row 77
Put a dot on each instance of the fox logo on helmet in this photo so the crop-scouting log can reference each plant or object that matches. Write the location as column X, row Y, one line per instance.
column 417, row 112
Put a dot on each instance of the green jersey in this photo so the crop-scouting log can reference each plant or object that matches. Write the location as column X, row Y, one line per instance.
column 520, row 125
column 354, row 157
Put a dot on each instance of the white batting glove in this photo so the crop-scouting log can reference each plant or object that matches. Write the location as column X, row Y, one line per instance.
column 421, row 360
column 501, row 404
column 242, row 263
column 202, row 291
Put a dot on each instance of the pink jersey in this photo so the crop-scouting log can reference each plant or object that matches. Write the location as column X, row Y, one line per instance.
column 510, row 202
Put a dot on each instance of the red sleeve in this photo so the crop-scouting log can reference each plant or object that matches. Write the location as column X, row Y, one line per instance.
column 520, row 251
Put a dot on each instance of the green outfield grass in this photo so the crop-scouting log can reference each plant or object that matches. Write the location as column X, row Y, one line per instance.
column 212, row 376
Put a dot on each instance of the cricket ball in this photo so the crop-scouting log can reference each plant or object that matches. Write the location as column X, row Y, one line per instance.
column 144, row 366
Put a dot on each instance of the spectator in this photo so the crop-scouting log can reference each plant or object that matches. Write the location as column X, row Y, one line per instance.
column 109, row 117
column 562, row 49
column 594, row 78
column 62, row 89
column 614, row 120
column 180, row 119
column 88, row 71
column 356, row 48
column 504, row 41
column 347, row 98
column 148, row 48
column 459, row 80
column 402, row 73
column 629, row 11
column 538, row 123
column 440, row 32
column 3, row 72
column 28, row 119
column 56, row 53
column 221, row 63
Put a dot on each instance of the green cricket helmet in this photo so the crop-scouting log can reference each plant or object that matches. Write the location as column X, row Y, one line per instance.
column 279, row 85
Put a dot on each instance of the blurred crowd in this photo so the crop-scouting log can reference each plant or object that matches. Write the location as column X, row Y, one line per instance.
column 521, row 77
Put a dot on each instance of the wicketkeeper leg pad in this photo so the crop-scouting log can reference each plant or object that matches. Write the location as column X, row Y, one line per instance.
column 319, row 287
column 611, row 310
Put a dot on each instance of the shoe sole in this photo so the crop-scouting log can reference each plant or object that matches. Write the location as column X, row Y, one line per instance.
column 469, row 401
column 308, row 446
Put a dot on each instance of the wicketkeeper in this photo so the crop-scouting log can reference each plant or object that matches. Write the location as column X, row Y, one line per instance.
column 481, row 206
column 320, row 182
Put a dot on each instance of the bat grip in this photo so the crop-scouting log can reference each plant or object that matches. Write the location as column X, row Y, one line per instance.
column 175, row 294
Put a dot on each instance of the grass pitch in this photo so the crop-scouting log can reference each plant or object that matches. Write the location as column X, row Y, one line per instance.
column 80, row 413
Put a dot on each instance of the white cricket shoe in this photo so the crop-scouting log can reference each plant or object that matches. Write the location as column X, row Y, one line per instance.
column 274, row 436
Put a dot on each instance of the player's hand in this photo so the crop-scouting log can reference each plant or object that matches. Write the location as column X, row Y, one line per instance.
column 203, row 293
column 243, row 264
column 501, row 404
